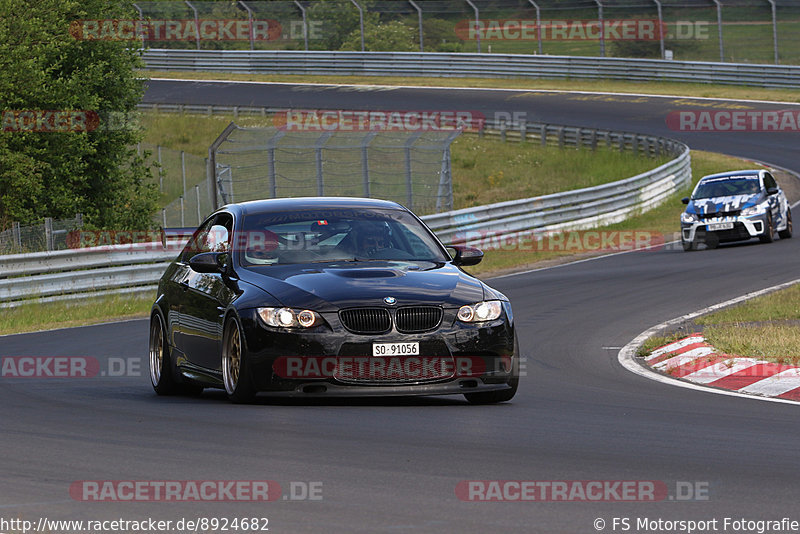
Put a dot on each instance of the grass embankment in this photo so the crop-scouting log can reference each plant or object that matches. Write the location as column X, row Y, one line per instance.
column 611, row 86
column 31, row 317
column 766, row 327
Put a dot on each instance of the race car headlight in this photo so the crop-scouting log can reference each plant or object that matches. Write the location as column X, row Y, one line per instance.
column 688, row 217
column 289, row 318
column 488, row 310
column 758, row 209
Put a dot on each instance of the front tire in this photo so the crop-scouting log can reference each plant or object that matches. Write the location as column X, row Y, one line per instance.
column 769, row 231
column 494, row 397
column 235, row 365
column 160, row 366
column 787, row 232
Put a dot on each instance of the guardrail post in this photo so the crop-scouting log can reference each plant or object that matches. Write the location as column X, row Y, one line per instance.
column 561, row 137
column 183, row 171
column 503, row 132
column 48, row 233
column 523, row 131
column 235, row 112
column 183, row 213
column 593, row 139
column 543, row 135
column 622, row 142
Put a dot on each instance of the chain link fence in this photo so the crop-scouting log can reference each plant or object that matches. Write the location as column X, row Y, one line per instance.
column 736, row 31
column 51, row 234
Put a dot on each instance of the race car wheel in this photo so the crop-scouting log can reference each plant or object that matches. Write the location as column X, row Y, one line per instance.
column 769, row 231
column 160, row 366
column 787, row 232
column 235, row 365
column 493, row 397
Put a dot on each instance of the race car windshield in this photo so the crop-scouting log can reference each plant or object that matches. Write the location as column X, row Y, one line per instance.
column 335, row 235
column 727, row 187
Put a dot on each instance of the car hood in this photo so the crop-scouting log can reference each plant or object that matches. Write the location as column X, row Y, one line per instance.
column 708, row 206
column 331, row 286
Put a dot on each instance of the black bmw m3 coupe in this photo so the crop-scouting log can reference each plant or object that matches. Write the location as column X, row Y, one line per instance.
column 329, row 297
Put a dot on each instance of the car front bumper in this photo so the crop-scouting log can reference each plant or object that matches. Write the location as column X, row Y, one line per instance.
column 743, row 228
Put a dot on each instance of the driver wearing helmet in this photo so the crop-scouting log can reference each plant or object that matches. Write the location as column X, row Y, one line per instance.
column 372, row 237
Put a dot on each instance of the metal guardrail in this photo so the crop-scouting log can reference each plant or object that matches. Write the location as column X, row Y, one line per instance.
column 577, row 209
column 71, row 274
column 437, row 64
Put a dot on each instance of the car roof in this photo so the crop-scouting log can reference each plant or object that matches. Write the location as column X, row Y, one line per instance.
column 755, row 173
column 302, row 203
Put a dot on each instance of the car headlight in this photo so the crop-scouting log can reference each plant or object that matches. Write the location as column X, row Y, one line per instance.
column 688, row 217
column 289, row 318
column 488, row 310
column 758, row 209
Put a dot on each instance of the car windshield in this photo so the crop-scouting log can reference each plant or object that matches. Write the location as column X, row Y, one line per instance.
column 335, row 235
column 725, row 187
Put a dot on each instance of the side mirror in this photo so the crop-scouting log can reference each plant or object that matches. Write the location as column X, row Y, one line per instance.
column 772, row 191
column 685, row 200
column 463, row 255
column 209, row 262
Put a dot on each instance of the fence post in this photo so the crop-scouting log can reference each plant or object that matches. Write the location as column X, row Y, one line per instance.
column 602, row 28
column 183, row 171
column 163, row 218
column 183, row 218
column 250, row 19
column 196, row 23
column 543, row 135
column 523, row 131
column 477, row 24
column 538, row 25
column 197, row 196
column 48, row 232
column 305, row 22
column 409, row 182
column 774, row 29
column 160, row 171
column 361, row 22
column 321, row 140
column 365, row 161
column 503, row 132
column 719, row 30
column 16, row 234
column 419, row 18
column 660, row 27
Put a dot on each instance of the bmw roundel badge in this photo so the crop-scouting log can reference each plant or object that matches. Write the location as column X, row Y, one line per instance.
column 389, row 300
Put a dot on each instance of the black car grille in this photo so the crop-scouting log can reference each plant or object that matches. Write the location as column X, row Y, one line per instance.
column 734, row 213
column 366, row 320
column 408, row 320
column 355, row 365
column 417, row 319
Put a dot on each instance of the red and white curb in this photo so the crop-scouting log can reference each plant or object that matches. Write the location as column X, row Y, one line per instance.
column 694, row 360
column 768, row 389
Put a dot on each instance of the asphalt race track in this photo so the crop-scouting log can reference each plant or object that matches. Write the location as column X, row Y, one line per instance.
column 394, row 465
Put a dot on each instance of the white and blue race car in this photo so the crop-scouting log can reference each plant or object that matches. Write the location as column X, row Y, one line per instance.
column 735, row 206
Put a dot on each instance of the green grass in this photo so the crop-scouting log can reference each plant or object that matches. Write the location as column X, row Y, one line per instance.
column 613, row 86
column 661, row 223
column 655, row 342
column 767, row 327
column 33, row 317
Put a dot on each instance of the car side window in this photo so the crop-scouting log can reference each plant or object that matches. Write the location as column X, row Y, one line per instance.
column 769, row 181
column 212, row 236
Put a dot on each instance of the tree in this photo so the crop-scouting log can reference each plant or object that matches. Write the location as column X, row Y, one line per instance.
column 391, row 36
column 45, row 68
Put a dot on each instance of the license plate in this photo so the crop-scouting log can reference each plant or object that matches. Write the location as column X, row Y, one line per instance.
column 719, row 226
column 395, row 349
